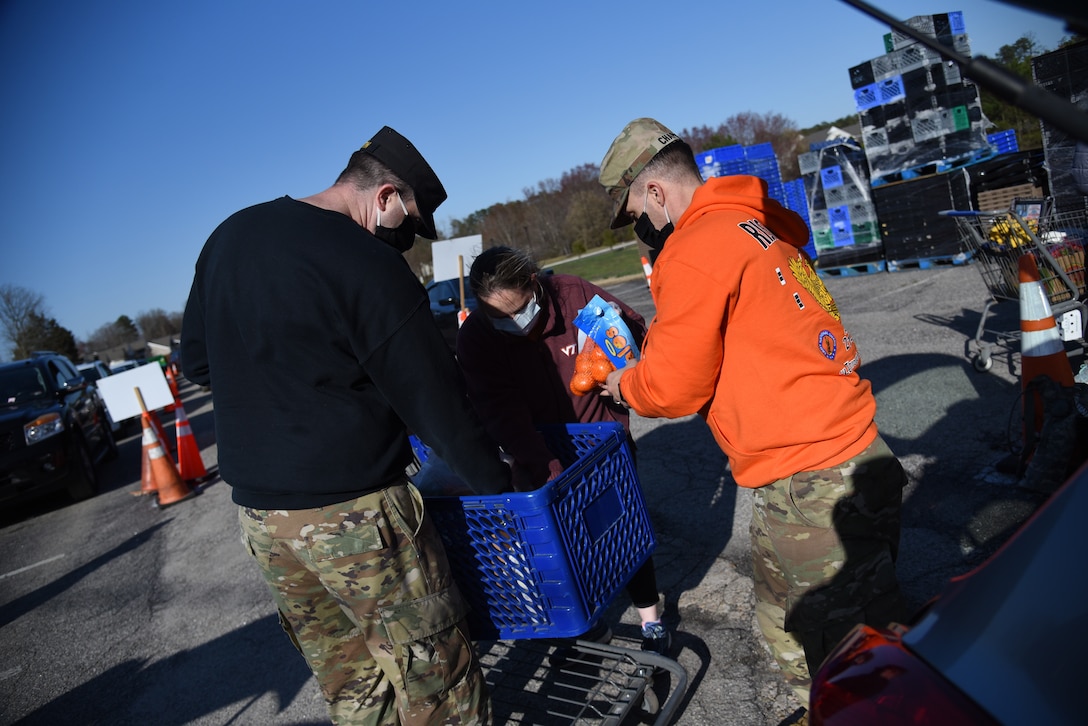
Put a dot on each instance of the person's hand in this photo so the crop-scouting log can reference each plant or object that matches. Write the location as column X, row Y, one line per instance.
column 611, row 385
column 555, row 468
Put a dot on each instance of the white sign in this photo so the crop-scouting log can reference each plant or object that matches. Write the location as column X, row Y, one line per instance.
column 118, row 391
column 444, row 254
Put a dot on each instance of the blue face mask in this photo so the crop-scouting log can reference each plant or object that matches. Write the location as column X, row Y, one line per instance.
column 521, row 322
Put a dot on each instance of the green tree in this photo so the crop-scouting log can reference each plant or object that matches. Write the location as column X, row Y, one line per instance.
column 126, row 328
column 44, row 333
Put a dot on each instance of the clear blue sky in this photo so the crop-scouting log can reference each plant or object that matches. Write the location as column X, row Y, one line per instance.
column 131, row 128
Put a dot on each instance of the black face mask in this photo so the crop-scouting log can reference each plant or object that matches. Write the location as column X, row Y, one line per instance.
column 654, row 238
column 400, row 238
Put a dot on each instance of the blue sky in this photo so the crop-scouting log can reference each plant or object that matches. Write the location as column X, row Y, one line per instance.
column 131, row 128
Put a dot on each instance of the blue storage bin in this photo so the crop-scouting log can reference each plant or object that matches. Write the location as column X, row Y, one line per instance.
column 955, row 22
column 546, row 563
column 759, row 151
column 867, row 97
column 831, row 176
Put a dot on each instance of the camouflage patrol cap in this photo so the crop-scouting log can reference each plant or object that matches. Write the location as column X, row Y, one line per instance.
column 639, row 142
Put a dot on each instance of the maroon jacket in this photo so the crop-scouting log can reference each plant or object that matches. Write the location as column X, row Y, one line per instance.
column 519, row 382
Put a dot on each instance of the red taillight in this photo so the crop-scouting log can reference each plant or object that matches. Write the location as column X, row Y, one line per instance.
column 871, row 678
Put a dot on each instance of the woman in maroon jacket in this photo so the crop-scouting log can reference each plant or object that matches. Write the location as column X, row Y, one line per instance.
column 518, row 354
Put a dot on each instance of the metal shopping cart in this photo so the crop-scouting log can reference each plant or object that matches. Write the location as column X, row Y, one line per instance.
column 997, row 239
column 539, row 568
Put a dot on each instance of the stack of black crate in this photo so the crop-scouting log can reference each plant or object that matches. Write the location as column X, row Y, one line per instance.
column 841, row 213
column 922, row 126
column 1065, row 73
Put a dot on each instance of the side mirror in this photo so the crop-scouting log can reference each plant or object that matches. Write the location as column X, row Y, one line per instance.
column 74, row 384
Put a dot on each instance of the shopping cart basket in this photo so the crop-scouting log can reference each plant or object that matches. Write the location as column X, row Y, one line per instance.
column 997, row 239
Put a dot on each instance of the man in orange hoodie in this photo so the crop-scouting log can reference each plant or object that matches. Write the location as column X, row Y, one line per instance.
column 747, row 336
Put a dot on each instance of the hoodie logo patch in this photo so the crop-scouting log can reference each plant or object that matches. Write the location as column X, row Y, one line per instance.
column 759, row 232
column 808, row 279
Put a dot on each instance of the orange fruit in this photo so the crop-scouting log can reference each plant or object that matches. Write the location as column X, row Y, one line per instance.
column 601, row 369
column 582, row 383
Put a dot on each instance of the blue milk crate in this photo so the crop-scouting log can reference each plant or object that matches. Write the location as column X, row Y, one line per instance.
column 546, row 563
column 867, row 97
column 760, row 151
column 831, row 176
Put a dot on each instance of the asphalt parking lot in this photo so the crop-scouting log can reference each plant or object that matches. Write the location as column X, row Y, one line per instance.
column 112, row 611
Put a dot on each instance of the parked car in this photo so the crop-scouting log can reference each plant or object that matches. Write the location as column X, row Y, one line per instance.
column 1000, row 645
column 53, row 429
column 124, row 365
column 445, row 297
column 92, row 373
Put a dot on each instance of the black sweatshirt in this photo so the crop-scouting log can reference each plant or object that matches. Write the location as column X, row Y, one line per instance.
column 320, row 349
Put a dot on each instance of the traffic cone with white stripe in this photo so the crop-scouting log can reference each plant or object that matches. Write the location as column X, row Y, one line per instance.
column 647, row 270
column 1042, row 352
column 147, row 479
column 168, row 483
column 190, row 465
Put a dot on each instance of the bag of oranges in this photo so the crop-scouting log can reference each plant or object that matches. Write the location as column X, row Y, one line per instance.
column 591, row 367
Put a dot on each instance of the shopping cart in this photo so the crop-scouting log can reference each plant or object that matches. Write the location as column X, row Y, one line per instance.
column 997, row 239
column 539, row 568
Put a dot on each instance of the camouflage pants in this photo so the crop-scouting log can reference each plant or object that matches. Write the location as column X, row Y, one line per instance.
column 365, row 592
column 824, row 545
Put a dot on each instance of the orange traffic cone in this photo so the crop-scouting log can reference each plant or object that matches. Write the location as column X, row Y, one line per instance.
column 173, row 384
column 160, row 433
column 647, row 270
column 1042, row 352
column 168, row 483
column 147, row 480
column 190, row 465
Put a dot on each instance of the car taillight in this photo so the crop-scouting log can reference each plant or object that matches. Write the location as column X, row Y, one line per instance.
column 42, row 428
column 871, row 678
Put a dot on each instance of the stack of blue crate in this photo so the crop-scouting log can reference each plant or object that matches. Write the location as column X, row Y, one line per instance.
column 794, row 199
column 1004, row 141
column 841, row 212
column 755, row 160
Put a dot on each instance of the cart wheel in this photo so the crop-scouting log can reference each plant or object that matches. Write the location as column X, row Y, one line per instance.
column 983, row 363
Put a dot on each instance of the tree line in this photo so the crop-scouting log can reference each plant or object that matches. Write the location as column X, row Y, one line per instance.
column 27, row 327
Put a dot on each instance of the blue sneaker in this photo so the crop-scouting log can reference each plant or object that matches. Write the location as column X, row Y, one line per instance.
column 656, row 638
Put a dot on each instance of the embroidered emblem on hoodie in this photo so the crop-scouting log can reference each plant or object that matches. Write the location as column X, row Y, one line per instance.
column 808, row 279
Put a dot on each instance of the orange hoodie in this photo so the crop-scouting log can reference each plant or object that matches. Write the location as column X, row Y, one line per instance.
column 747, row 336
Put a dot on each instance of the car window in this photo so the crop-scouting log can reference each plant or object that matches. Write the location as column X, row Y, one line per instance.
column 21, row 384
column 444, row 290
column 67, row 370
column 91, row 373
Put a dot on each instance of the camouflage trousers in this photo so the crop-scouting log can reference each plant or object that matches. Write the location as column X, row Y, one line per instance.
column 824, row 546
column 364, row 590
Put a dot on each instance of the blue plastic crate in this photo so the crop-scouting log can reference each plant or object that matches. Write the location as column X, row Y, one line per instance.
column 867, row 97
column 955, row 22
column 831, row 176
column 759, row 151
column 728, row 153
column 546, row 563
